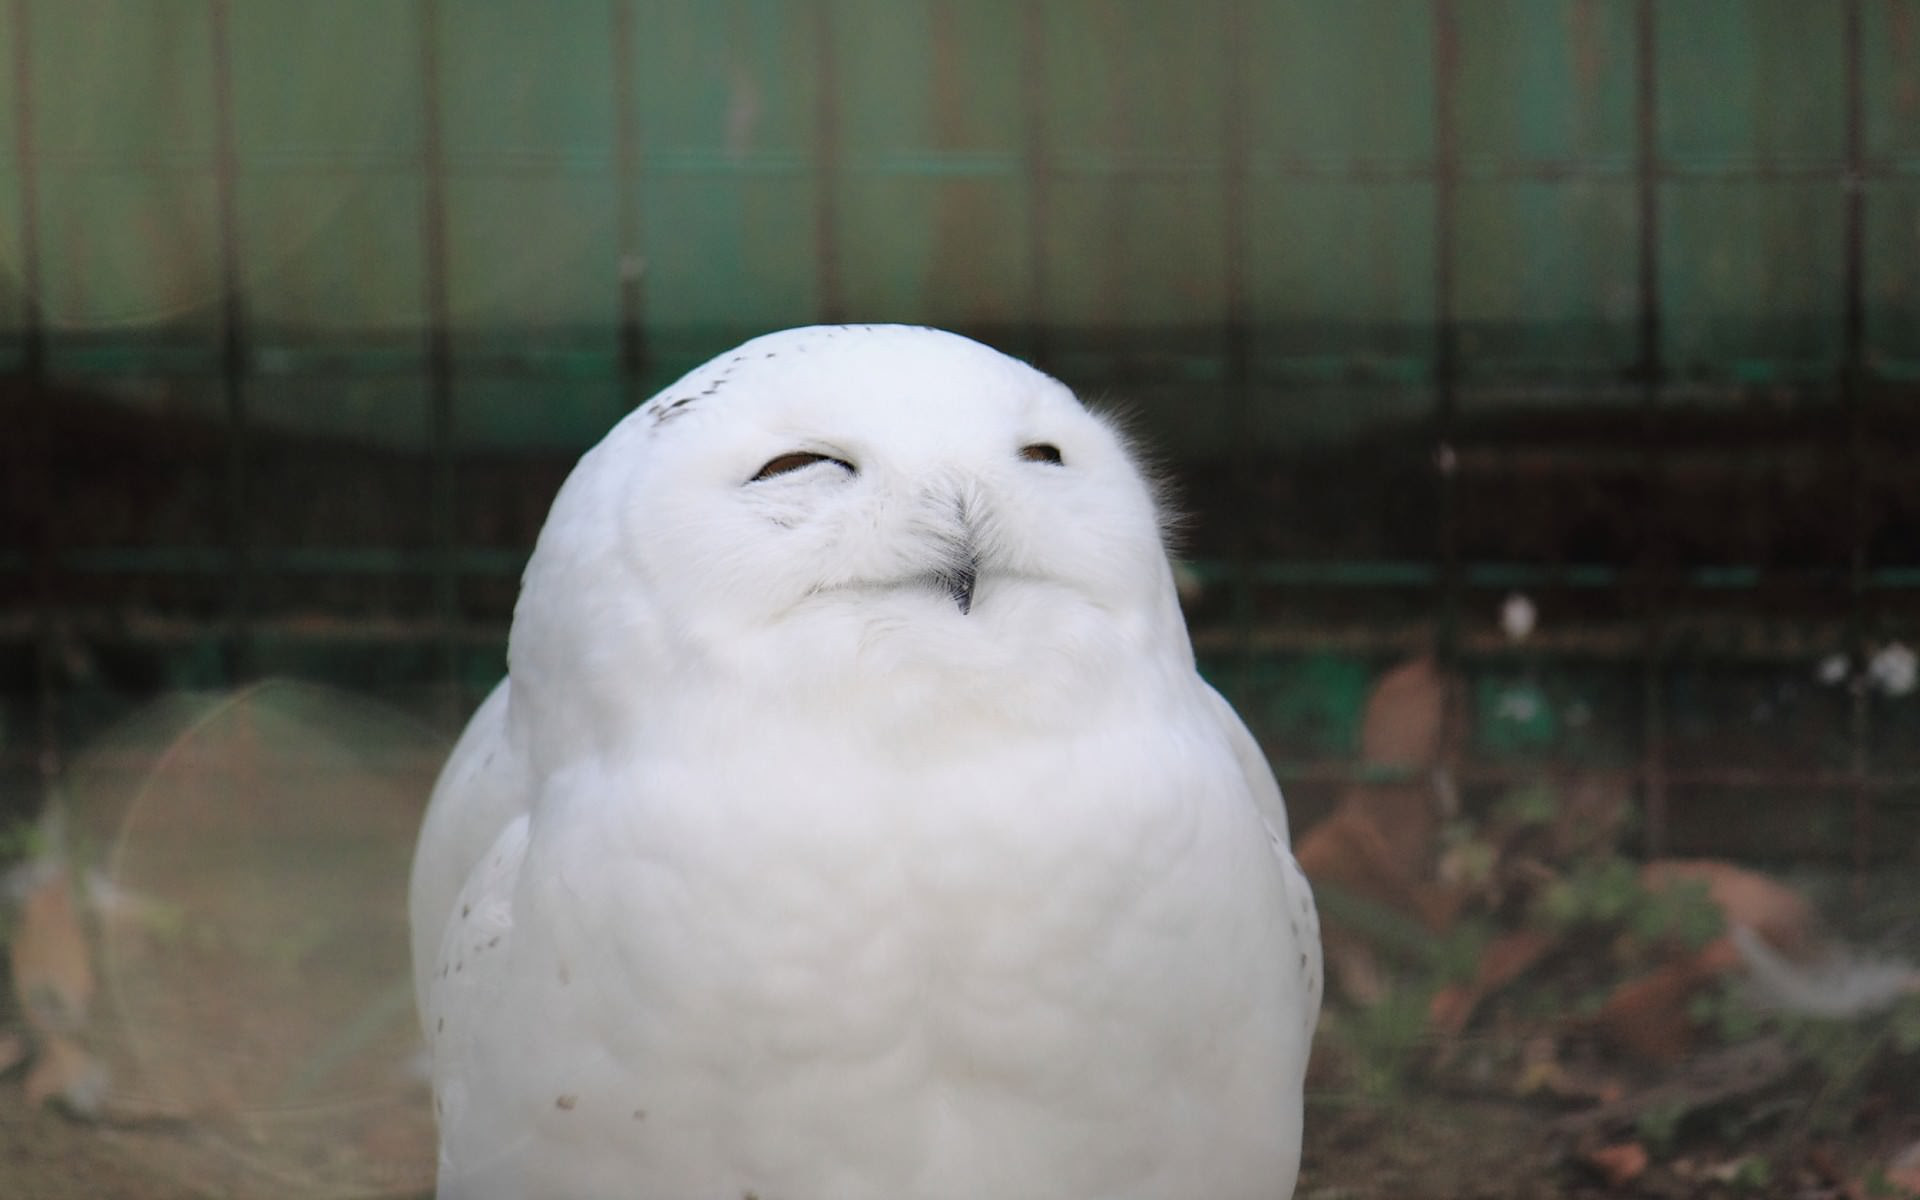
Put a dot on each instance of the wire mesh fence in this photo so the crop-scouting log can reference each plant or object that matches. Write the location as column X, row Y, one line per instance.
column 1607, row 302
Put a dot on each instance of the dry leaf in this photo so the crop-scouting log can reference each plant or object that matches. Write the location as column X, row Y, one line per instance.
column 1648, row 1015
column 1619, row 1164
column 1543, row 1074
column 52, row 971
column 1504, row 960
column 65, row 1072
column 1903, row 1171
column 1378, row 844
column 1404, row 723
column 13, row 1051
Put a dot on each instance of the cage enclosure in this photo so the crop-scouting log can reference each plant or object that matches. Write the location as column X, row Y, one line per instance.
column 1571, row 344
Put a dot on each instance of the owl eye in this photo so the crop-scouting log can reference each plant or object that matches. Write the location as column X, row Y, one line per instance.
column 1041, row 452
column 795, row 461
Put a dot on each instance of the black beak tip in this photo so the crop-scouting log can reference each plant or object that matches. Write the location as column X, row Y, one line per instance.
column 960, row 586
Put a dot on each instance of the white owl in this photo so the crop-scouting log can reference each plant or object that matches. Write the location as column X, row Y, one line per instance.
column 853, row 821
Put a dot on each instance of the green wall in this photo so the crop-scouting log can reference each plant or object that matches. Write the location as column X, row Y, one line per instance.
column 1163, row 193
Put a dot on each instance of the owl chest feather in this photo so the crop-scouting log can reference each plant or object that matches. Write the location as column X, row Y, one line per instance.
column 817, row 853
column 932, row 950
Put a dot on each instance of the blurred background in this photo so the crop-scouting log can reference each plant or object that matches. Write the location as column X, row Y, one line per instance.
column 1541, row 380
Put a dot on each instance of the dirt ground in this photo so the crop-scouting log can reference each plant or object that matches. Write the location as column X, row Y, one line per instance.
column 1451, row 1149
column 45, row 1155
column 1441, row 1147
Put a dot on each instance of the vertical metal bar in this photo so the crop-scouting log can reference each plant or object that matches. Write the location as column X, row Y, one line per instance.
column 40, row 401
column 440, row 370
column 1859, row 460
column 1238, row 348
column 1234, row 215
column 826, row 168
column 233, row 353
column 1650, row 370
column 626, row 165
column 33, row 332
column 1035, row 154
column 1446, row 149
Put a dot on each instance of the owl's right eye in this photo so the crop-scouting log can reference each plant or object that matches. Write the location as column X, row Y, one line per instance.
column 797, row 460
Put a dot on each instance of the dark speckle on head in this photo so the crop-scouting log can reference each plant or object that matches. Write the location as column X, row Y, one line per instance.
column 769, row 354
column 664, row 412
column 565, row 1103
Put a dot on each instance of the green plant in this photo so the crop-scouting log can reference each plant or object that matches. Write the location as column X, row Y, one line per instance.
column 1751, row 1173
column 1683, row 912
column 1530, row 804
column 1604, row 893
column 1842, row 1053
column 1381, row 1042
column 22, row 840
column 1659, row 1126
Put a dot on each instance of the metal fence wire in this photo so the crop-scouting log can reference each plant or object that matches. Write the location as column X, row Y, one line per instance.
column 306, row 309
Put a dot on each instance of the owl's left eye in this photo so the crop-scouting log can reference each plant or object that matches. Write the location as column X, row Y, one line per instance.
column 1041, row 452
column 797, row 460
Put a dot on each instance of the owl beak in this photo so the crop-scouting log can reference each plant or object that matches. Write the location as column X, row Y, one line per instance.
column 959, row 569
column 959, row 579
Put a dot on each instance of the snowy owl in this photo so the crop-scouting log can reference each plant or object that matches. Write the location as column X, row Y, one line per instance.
column 853, row 821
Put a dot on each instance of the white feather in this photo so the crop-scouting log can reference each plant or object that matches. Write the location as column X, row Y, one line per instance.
column 1839, row 985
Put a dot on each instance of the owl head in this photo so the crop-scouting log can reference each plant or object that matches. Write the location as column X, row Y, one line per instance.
column 890, row 506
